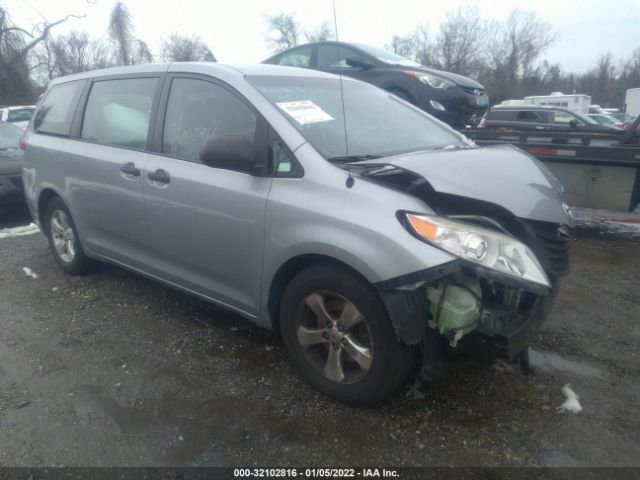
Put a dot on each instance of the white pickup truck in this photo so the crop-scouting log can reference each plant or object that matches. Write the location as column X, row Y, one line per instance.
column 19, row 115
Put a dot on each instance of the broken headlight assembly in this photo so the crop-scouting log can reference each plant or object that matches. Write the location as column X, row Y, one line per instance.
column 480, row 246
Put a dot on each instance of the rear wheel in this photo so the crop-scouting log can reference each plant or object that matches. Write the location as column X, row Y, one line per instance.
column 340, row 337
column 63, row 239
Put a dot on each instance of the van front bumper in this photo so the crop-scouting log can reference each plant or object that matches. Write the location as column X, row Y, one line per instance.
column 505, row 329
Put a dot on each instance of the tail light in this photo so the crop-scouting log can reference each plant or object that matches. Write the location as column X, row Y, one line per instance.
column 22, row 144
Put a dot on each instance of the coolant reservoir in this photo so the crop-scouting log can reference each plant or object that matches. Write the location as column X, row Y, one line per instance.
column 455, row 304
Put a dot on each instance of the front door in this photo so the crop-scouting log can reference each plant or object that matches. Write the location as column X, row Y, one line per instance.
column 206, row 224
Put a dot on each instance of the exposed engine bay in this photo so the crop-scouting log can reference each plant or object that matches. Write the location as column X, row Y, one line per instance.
column 463, row 300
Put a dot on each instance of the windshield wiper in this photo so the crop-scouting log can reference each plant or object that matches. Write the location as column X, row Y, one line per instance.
column 353, row 158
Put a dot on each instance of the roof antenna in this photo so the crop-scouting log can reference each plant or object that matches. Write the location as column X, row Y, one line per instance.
column 350, row 180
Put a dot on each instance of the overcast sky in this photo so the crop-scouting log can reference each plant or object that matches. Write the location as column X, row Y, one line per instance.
column 235, row 29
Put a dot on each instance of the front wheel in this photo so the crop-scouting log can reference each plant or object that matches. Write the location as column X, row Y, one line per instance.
column 340, row 338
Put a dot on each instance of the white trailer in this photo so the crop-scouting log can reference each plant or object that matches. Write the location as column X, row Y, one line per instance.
column 577, row 102
column 632, row 102
column 513, row 103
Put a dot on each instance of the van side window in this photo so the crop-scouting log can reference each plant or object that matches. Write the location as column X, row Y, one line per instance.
column 197, row 111
column 118, row 112
column 56, row 111
column 281, row 162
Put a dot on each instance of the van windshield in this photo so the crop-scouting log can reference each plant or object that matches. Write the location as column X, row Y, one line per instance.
column 378, row 123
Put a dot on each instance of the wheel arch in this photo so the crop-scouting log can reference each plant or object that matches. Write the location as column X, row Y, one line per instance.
column 45, row 196
column 290, row 269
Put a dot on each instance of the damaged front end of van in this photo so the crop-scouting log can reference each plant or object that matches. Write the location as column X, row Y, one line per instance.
column 501, row 216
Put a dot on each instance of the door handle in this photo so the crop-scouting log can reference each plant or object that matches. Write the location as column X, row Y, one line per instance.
column 160, row 176
column 130, row 169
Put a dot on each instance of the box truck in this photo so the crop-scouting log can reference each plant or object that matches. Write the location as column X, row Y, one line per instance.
column 632, row 102
column 576, row 102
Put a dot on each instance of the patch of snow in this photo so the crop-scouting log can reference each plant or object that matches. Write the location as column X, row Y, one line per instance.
column 571, row 404
column 29, row 273
column 19, row 231
column 624, row 223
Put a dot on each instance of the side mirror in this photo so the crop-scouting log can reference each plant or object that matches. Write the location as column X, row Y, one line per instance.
column 358, row 63
column 231, row 152
column 573, row 124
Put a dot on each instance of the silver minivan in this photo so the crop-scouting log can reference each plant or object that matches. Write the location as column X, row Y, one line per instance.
column 360, row 228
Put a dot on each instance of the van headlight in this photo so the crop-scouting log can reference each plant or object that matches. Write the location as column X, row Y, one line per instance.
column 488, row 248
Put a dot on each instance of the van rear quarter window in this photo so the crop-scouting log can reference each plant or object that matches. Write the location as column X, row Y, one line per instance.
column 118, row 112
column 56, row 112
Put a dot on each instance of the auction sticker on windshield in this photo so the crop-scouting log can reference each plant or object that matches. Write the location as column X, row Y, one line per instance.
column 305, row 111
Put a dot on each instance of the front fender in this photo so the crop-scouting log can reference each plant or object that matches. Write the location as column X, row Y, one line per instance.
column 356, row 226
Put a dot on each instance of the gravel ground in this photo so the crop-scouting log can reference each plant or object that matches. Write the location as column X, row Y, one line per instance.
column 114, row 369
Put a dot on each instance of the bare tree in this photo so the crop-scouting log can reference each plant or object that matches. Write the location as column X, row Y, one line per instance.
column 324, row 33
column 17, row 46
column 129, row 49
column 502, row 55
column 519, row 41
column 182, row 48
column 459, row 46
column 282, row 31
column 72, row 53
column 416, row 46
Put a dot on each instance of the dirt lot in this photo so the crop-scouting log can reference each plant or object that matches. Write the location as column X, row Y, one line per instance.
column 114, row 369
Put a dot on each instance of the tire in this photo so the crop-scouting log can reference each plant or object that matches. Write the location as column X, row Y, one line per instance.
column 64, row 240
column 340, row 338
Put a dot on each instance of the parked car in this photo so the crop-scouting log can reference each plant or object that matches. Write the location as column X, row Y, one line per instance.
column 19, row 116
column 10, row 165
column 626, row 119
column 239, row 185
column 607, row 120
column 544, row 119
column 454, row 99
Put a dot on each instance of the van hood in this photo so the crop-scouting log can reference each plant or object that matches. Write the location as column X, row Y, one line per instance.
column 502, row 175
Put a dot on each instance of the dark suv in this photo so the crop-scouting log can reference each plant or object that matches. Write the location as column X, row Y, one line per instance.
column 452, row 98
column 548, row 119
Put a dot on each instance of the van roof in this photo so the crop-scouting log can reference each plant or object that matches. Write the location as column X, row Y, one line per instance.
column 200, row 67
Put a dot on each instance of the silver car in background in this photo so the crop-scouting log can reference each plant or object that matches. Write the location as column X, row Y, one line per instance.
column 10, row 165
column 353, row 223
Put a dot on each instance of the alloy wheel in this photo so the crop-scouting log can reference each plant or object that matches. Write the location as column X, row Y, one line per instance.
column 63, row 236
column 335, row 337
